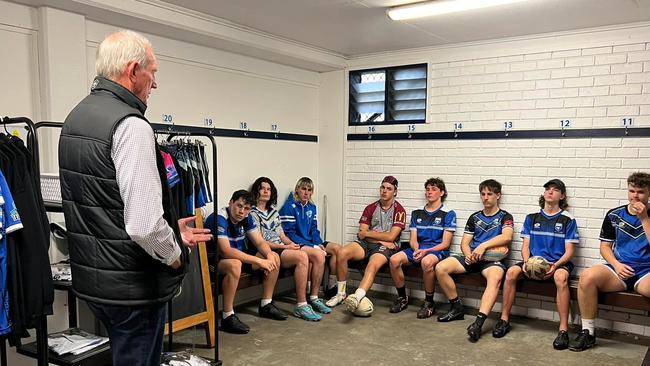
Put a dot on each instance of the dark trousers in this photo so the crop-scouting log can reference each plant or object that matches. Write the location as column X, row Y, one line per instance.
column 135, row 332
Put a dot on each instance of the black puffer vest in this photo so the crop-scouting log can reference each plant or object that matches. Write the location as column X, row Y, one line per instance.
column 107, row 266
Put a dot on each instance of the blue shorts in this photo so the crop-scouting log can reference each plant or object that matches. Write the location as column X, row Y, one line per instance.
column 440, row 254
column 640, row 272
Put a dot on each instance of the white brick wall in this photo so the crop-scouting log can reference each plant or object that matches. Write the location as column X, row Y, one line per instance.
column 592, row 87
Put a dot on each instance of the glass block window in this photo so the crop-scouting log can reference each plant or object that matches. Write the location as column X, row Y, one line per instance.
column 389, row 95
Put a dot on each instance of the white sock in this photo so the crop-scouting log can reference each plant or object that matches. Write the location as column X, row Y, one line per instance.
column 308, row 286
column 341, row 286
column 302, row 303
column 266, row 302
column 589, row 324
column 313, row 297
column 227, row 313
column 360, row 293
column 332, row 281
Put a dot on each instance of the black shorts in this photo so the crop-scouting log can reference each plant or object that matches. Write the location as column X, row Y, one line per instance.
column 372, row 248
column 478, row 266
column 568, row 266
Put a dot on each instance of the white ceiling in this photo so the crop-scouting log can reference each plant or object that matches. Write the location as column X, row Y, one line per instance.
column 323, row 35
column 356, row 27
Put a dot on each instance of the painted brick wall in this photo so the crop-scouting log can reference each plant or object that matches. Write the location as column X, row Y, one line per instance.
column 592, row 87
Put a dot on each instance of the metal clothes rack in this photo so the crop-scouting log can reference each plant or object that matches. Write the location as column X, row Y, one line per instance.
column 41, row 329
column 172, row 131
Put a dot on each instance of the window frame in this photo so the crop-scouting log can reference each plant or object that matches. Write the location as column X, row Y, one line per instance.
column 387, row 99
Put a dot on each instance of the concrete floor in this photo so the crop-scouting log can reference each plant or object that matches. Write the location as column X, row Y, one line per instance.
column 402, row 339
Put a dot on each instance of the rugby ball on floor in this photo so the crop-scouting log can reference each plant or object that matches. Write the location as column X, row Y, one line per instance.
column 495, row 254
column 536, row 267
column 365, row 308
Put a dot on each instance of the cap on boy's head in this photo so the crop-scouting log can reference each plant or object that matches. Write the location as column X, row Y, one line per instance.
column 390, row 179
column 558, row 183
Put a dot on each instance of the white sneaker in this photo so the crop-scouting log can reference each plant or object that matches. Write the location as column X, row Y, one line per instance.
column 335, row 300
column 351, row 303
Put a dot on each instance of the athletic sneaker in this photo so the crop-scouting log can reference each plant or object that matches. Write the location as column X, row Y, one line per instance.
column 583, row 341
column 562, row 340
column 232, row 324
column 306, row 312
column 335, row 300
column 351, row 303
column 474, row 332
column 457, row 312
column 318, row 306
column 401, row 303
column 501, row 328
column 272, row 312
column 426, row 310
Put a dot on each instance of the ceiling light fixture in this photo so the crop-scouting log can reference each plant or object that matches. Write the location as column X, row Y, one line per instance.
column 430, row 8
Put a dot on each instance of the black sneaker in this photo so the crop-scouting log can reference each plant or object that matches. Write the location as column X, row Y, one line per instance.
column 272, row 312
column 232, row 324
column 401, row 303
column 562, row 340
column 455, row 313
column 583, row 341
column 501, row 328
column 330, row 292
column 474, row 332
column 426, row 310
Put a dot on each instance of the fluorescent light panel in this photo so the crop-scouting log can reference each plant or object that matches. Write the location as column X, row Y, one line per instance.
column 431, row 8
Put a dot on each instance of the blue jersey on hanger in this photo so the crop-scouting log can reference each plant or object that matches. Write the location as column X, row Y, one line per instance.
column 9, row 222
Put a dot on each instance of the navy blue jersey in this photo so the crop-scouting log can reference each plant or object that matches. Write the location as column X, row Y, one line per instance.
column 430, row 226
column 483, row 228
column 224, row 227
column 626, row 232
column 549, row 234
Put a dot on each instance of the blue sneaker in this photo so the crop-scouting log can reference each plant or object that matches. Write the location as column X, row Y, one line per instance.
column 306, row 312
column 318, row 305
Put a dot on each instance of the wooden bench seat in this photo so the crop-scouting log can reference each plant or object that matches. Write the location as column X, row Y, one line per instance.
column 622, row 299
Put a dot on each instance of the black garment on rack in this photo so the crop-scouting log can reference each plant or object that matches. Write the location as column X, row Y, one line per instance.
column 29, row 277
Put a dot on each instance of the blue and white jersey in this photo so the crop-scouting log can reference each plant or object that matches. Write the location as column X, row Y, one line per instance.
column 430, row 226
column 9, row 222
column 483, row 228
column 299, row 222
column 226, row 229
column 626, row 232
column 548, row 235
column 269, row 223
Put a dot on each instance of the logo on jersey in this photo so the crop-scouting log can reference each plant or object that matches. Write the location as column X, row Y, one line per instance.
column 241, row 230
column 400, row 217
column 14, row 215
column 221, row 230
column 537, row 225
column 308, row 213
column 508, row 223
column 95, row 82
column 558, row 227
column 437, row 221
column 419, row 220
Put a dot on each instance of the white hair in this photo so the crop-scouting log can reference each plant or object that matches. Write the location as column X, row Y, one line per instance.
column 117, row 50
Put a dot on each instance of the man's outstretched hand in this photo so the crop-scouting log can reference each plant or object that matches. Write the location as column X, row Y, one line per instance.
column 190, row 235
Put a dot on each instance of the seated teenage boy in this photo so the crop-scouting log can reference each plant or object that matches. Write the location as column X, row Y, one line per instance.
column 552, row 234
column 432, row 229
column 624, row 244
column 491, row 227
column 233, row 225
column 379, row 228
